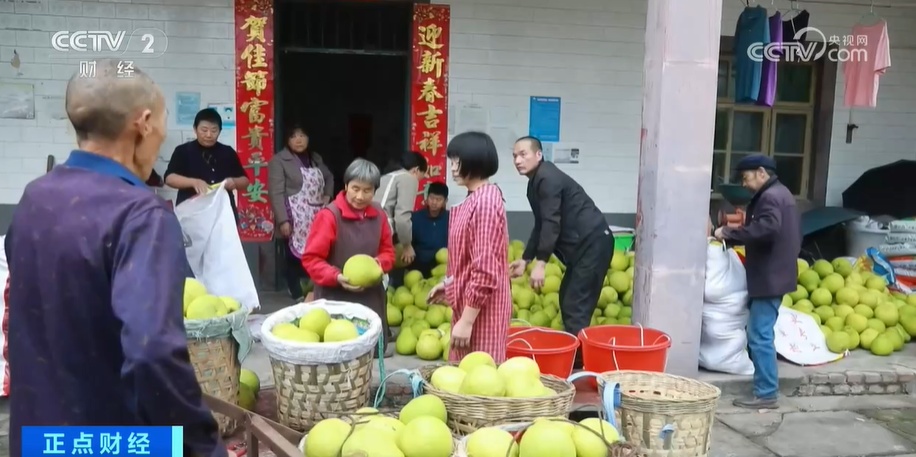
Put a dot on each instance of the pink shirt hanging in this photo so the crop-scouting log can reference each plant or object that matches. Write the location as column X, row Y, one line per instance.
column 868, row 58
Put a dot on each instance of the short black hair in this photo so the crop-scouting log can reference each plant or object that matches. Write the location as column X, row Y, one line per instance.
column 476, row 154
column 437, row 188
column 293, row 127
column 414, row 159
column 208, row 115
column 535, row 143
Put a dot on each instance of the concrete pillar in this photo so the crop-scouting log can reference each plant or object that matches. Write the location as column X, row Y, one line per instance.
column 678, row 124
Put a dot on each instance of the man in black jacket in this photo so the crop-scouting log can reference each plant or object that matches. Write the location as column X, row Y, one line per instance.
column 772, row 237
column 566, row 223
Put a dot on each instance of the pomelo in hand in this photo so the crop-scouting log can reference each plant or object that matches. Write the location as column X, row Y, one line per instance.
column 476, row 359
column 519, row 367
column 546, row 441
column 362, row 271
column 193, row 289
column 340, row 330
column 447, row 378
column 315, row 320
column 423, row 406
column 426, row 437
column 326, row 438
column 594, row 441
column 249, row 379
column 491, row 442
column 483, row 380
column 205, row 307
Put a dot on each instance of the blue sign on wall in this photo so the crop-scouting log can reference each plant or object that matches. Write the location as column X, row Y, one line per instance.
column 544, row 118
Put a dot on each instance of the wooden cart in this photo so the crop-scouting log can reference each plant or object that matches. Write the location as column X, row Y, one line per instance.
column 281, row 440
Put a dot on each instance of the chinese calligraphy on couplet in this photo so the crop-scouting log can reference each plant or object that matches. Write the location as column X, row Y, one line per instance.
column 255, row 104
column 429, row 89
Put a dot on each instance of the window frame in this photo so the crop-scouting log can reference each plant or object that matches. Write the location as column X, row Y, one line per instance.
column 768, row 129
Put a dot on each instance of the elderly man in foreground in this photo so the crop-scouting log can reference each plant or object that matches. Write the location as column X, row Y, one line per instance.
column 98, row 268
column 772, row 237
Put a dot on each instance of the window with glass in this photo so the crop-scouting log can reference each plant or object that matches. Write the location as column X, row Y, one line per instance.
column 783, row 131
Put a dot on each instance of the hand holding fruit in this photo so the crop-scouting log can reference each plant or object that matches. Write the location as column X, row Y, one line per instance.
column 537, row 276
column 286, row 229
column 436, row 294
column 517, row 268
column 408, row 255
column 345, row 283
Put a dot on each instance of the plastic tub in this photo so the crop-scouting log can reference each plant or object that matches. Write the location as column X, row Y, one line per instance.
column 860, row 237
column 624, row 347
column 553, row 350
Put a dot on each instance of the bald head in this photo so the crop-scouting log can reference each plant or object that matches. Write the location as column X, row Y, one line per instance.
column 101, row 105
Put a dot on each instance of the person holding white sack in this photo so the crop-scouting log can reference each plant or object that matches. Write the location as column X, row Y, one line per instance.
column 772, row 236
column 723, row 339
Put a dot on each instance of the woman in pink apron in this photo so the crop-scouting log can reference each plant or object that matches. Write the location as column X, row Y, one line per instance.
column 300, row 184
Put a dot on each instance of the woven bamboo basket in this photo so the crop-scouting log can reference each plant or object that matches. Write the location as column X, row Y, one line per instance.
column 306, row 394
column 467, row 413
column 618, row 449
column 664, row 415
column 216, row 365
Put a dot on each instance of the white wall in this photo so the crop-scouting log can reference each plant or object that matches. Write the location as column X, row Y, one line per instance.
column 200, row 58
column 588, row 52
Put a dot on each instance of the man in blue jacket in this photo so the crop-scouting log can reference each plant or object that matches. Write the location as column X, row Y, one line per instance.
column 772, row 238
column 97, row 273
column 430, row 228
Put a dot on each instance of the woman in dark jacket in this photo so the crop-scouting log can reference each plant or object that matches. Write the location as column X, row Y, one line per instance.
column 300, row 185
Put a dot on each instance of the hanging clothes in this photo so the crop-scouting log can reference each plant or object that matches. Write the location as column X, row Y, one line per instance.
column 767, row 95
column 753, row 29
column 869, row 58
column 794, row 29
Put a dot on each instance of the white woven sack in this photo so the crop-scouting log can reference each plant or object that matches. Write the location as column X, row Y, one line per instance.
column 903, row 226
column 900, row 238
column 894, row 250
column 321, row 353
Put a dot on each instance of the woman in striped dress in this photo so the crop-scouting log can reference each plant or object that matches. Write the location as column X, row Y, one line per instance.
column 477, row 283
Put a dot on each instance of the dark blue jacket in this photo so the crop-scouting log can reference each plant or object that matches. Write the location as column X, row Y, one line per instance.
column 429, row 234
column 96, row 333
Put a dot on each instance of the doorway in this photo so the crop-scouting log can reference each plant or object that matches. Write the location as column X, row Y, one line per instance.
column 343, row 72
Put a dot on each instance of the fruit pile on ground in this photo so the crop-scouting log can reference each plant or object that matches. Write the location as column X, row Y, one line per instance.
column 199, row 304
column 316, row 326
column 853, row 307
column 541, row 308
column 425, row 330
column 477, row 374
column 421, row 430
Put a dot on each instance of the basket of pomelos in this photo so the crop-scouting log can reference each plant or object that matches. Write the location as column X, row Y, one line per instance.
column 321, row 356
column 217, row 341
column 478, row 393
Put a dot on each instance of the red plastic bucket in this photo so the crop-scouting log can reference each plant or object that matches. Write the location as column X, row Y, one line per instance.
column 623, row 347
column 553, row 350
